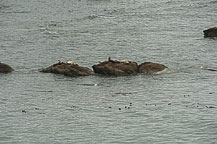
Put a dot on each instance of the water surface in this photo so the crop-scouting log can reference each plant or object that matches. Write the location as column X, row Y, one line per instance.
column 178, row 106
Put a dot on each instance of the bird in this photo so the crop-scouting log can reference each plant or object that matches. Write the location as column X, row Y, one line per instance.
column 109, row 59
column 58, row 62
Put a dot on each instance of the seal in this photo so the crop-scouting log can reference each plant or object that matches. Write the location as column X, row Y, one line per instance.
column 71, row 62
column 124, row 61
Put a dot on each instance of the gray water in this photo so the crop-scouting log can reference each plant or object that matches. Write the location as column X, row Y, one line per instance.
column 177, row 106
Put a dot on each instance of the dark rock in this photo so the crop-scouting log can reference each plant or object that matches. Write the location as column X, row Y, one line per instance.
column 149, row 67
column 24, row 111
column 209, row 69
column 68, row 69
column 116, row 68
column 211, row 32
column 4, row 68
column 210, row 107
column 3, row 6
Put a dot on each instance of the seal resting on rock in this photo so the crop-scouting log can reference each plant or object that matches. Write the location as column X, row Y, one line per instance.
column 150, row 67
column 4, row 68
column 68, row 69
column 211, row 32
column 71, row 62
column 116, row 68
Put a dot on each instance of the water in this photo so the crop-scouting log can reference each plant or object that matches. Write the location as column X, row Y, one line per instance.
column 177, row 106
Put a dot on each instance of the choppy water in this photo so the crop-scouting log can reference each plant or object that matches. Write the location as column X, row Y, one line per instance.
column 173, row 107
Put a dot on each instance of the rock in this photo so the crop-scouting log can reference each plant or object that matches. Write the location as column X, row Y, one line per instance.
column 3, row 6
column 211, row 32
column 209, row 69
column 68, row 69
column 149, row 67
column 4, row 68
column 116, row 68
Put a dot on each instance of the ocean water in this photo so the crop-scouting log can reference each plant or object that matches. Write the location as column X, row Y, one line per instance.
column 176, row 106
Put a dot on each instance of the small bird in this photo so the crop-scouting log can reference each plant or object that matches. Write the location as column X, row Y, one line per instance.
column 24, row 111
column 58, row 62
column 109, row 59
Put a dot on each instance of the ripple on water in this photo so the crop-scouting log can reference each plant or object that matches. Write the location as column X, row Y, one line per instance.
column 177, row 105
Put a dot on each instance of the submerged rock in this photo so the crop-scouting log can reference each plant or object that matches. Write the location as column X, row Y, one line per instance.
column 4, row 68
column 150, row 67
column 116, row 68
column 209, row 69
column 68, row 69
column 3, row 6
column 211, row 32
